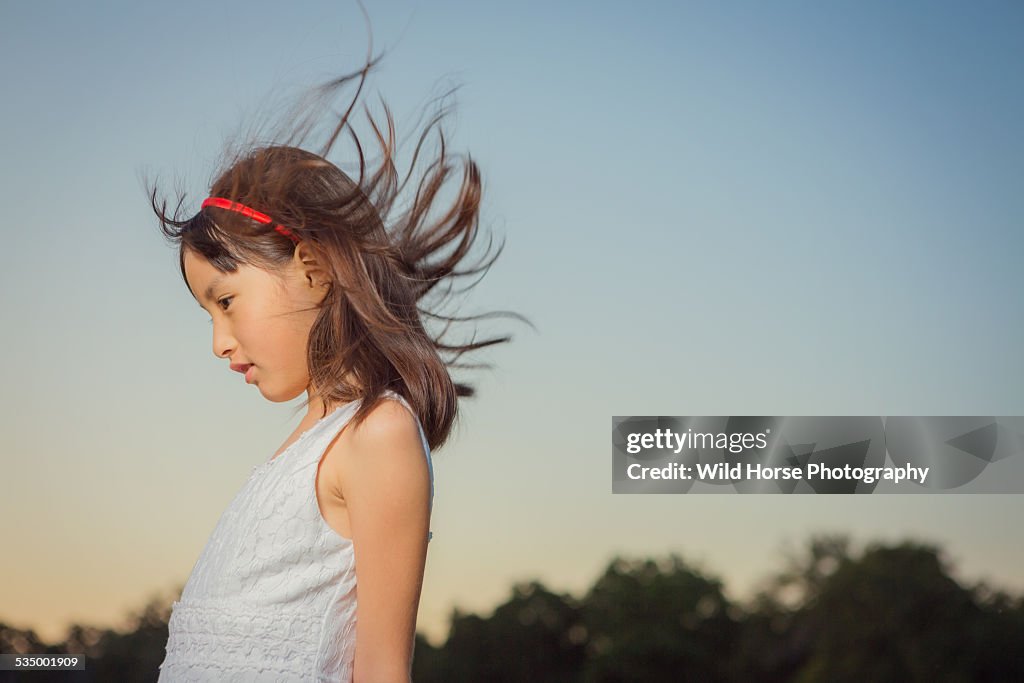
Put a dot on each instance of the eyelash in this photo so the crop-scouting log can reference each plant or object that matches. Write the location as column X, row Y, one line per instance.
column 219, row 302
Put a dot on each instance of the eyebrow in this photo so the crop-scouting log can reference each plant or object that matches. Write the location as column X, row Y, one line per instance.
column 208, row 294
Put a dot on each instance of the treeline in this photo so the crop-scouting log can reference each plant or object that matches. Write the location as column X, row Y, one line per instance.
column 884, row 613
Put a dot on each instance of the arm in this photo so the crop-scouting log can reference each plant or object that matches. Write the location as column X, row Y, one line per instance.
column 385, row 483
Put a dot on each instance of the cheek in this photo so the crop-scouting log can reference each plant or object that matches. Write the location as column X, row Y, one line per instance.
column 286, row 342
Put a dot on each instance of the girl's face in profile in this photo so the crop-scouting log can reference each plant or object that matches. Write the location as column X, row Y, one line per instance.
column 258, row 319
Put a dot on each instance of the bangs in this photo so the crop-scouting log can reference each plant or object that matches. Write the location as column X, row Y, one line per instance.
column 202, row 235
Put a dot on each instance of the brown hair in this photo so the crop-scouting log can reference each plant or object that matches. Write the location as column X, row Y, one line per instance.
column 370, row 322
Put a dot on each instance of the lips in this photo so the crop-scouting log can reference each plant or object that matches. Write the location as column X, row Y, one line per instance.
column 241, row 367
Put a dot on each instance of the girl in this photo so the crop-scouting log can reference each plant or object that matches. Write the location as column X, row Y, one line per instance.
column 314, row 571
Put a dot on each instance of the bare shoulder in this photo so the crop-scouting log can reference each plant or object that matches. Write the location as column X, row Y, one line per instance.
column 389, row 419
column 385, row 445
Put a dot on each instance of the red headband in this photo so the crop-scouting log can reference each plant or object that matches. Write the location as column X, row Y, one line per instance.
column 221, row 203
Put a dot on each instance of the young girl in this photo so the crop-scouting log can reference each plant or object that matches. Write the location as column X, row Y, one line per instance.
column 314, row 571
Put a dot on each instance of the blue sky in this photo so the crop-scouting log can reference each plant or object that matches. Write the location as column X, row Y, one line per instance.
column 709, row 209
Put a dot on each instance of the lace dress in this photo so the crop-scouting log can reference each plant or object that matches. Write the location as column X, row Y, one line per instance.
column 272, row 596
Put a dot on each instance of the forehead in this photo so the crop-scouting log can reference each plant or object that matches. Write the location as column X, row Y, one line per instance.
column 203, row 278
column 198, row 268
column 200, row 275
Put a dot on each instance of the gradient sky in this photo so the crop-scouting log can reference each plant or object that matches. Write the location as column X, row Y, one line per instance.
column 709, row 209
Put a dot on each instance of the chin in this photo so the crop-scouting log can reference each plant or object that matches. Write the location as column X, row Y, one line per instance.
column 278, row 396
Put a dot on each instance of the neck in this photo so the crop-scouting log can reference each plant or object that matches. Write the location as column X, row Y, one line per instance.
column 318, row 408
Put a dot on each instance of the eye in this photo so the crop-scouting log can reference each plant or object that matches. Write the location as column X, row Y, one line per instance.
column 221, row 301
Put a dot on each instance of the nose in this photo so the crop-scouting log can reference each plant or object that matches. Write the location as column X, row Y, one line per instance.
column 223, row 342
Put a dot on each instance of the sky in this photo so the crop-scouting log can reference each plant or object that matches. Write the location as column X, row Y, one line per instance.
column 708, row 209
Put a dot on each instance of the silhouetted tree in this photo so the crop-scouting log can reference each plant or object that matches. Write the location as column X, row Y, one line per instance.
column 657, row 621
column 535, row 636
column 892, row 613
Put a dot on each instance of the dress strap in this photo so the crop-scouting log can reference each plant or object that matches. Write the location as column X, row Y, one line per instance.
column 426, row 447
column 423, row 437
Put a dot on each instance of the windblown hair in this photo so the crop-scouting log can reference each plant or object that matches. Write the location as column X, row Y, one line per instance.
column 381, row 267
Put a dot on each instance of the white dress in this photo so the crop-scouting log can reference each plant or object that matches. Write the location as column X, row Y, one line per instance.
column 272, row 596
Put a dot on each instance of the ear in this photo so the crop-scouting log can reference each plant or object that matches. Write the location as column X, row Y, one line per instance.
column 310, row 268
